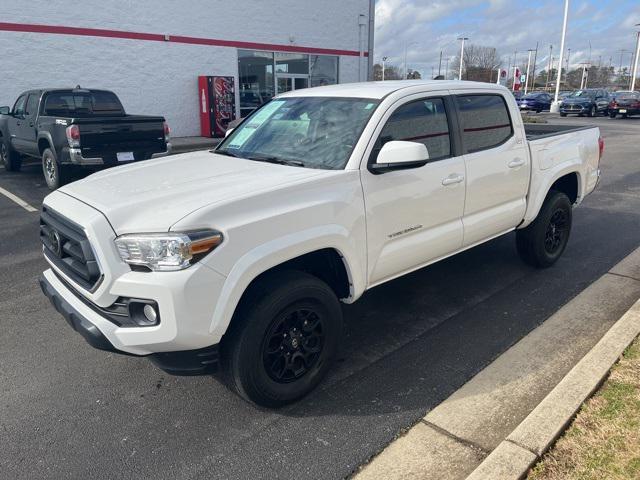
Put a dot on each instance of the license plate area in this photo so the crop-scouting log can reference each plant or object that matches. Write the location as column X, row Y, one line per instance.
column 623, row 110
column 125, row 156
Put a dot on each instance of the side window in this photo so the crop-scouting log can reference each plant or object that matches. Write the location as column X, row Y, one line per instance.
column 18, row 108
column 32, row 105
column 485, row 121
column 423, row 121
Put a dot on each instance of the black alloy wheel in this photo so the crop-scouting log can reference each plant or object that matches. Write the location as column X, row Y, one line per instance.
column 557, row 232
column 293, row 343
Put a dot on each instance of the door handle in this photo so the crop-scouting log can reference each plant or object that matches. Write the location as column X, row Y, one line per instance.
column 518, row 162
column 452, row 179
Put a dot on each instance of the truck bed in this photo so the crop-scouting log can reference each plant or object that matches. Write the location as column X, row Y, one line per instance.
column 535, row 131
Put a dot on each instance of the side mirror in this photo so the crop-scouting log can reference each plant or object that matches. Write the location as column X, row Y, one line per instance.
column 400, row 155
column 5, row 110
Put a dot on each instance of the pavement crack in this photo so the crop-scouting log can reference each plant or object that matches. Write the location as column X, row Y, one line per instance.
column 467, row 443
column 623, row 276
column 522, row 446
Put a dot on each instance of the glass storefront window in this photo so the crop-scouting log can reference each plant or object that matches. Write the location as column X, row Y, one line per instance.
column 255, row 73
column 324, row 70
column 265, row 74
column 292, row 63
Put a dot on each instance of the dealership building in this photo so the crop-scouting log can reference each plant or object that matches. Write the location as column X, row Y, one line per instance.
column 152, row 52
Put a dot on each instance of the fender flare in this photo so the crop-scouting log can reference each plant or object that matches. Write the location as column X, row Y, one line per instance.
column 536, row 199
column 276, row 252
column 47, row 136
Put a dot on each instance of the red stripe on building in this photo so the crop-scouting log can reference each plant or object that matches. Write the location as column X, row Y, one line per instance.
column 155, row 37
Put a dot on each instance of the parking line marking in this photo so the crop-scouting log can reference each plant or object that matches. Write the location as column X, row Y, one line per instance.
column 17, row 200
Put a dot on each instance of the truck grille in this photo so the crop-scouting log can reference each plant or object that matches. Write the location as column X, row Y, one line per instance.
column 68, row 248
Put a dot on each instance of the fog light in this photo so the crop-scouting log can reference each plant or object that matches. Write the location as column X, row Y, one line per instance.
column 150, row 313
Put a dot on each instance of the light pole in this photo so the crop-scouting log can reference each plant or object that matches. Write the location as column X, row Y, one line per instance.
column 554, row 106
column 406, row 46
column 461, row 55
column 546, row 86
column 446, row 68
column 526, row 80
column 635, row 63
column 384, row 59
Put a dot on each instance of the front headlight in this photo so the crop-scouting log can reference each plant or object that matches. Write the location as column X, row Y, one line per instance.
column 167, row 251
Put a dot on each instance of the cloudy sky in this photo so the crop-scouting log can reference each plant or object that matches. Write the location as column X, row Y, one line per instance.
column 425, row 27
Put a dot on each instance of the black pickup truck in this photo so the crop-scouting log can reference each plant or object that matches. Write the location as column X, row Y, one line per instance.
column 72, row 128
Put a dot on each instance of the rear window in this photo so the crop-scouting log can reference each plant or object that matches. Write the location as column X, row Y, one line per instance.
column 628, row 96
column 76, row 104
column 485, row 121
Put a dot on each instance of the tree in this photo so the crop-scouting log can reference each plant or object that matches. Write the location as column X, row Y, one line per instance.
column 413, row 75
column 480, row 63
column 390, row 72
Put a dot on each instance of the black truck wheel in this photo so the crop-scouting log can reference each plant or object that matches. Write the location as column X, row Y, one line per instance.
column 54, row 174
column 283, row 338
column 10, row 159
column 541, row 243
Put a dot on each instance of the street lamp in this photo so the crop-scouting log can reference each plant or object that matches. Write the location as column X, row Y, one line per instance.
column 384, row 59
column 635, row 63
column 526, row 80
column 461, row 55
column 555, row 107
column 406, row 46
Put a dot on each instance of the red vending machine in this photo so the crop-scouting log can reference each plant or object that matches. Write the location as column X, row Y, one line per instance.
column 217, row 104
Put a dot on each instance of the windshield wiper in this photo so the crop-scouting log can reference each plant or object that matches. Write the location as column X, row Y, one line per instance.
column 277, row 160
column 225, row 152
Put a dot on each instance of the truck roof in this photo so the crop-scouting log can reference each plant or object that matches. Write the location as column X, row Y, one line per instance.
column 379, row 90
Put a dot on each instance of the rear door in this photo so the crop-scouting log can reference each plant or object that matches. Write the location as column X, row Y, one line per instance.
column 414, row 216
column 497, row 165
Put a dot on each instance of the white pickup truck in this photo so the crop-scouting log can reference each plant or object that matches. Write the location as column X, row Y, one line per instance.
column 242, row 255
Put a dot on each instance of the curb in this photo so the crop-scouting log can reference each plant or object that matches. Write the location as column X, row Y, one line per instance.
column 513, row 458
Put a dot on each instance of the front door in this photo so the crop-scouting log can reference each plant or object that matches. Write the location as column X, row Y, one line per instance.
column 288, row 82
column 26, row 130
column 414, row 216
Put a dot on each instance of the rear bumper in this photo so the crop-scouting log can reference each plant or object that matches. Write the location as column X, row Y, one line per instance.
column 75, row 157
column 186, row 362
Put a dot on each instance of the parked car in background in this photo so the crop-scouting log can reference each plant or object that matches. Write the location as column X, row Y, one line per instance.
column 562, row 96
column 243, row 253
column 68, row 128
column 535, row 101
column 625, row 104
column 590, row 102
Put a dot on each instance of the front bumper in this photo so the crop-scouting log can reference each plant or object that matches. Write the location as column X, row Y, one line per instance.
column 185, row 362
column 574, row 109
column 76, row 158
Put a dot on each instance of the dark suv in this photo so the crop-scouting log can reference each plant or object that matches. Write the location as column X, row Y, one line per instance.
column 590, row 102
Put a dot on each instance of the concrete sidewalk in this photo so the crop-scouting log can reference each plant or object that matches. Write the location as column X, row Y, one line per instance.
column 189, row 144
column 452, row 440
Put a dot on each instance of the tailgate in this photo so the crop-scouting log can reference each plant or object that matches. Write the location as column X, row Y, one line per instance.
column 108, row 135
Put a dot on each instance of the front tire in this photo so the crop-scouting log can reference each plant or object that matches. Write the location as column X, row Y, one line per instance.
column 542, row 242
column 54, row 174
column 10, row 159
column 592, row 112
column 283, row 338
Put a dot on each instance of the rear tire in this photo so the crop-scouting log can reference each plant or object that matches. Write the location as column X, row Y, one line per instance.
column 54, row 174
column 542, row 242
column 283, row 338
column 563, row 114
column 9, row 158
column 613, row 114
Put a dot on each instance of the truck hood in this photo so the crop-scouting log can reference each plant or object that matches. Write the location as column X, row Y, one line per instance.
column 153, row 195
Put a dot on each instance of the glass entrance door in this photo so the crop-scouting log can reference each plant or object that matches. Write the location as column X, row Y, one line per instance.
column 288, row 82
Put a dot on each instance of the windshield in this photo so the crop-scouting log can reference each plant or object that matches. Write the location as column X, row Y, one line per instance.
column 532, row 96
column 583, row 94
column 313, row 132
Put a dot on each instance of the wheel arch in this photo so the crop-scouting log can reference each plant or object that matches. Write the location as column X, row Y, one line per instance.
column 45, row 141
column 567, row 181
column 329, row 262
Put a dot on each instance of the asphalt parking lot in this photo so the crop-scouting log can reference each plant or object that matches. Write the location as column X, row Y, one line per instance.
column 68, row 411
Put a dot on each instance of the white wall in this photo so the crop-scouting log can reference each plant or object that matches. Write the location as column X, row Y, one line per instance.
column 161, row 77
